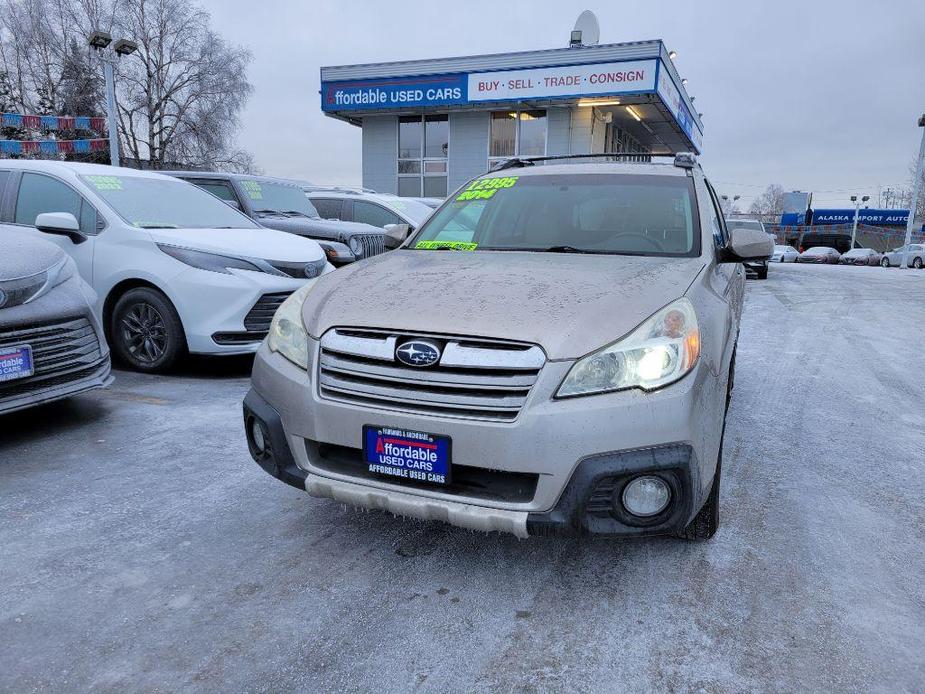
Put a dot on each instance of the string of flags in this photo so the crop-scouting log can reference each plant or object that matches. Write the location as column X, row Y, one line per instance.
column 19, row 120
column 53, row 146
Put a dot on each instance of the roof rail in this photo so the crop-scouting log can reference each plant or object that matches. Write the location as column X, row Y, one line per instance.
column 683, row 160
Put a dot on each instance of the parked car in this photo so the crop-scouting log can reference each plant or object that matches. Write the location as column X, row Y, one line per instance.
column 174, row 268
column 432, row 203
column 51, row 344
column 281, row 204
column 359, row 205
column 915, row 257
column 759, row 268
column 785, row 254
column 819, row 254
column 860, row 256
column 494, row 386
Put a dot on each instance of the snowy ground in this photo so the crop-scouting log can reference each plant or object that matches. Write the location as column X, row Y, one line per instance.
column 141, row 549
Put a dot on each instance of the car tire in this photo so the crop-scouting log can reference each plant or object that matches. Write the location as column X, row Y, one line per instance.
column 917, row 263
column 763, row 273
column 706, row 522
column 146, row 332
column 885, row 263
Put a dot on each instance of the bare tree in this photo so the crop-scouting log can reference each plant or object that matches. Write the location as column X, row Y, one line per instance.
column 181, row 94
column 769, row 206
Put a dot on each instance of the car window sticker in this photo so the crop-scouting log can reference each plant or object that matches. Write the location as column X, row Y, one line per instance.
column 485, row 188
column 253, row 190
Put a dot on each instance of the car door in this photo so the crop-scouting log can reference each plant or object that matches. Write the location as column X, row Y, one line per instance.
column 37, row 193
column 728, row 279
column 329, row 208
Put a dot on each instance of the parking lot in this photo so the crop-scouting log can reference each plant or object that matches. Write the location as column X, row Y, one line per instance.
column 142, row 549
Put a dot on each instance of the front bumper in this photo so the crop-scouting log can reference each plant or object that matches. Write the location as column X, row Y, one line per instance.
column 547, row 463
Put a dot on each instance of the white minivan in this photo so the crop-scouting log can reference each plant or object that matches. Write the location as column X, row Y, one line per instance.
column 176, row 269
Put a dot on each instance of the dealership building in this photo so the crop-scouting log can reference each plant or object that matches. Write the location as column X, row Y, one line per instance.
column 430, row 125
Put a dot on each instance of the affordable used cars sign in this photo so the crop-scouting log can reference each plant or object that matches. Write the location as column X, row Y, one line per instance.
column 399, row 92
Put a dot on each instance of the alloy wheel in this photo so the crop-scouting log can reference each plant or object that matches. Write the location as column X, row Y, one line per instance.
column 144, row 333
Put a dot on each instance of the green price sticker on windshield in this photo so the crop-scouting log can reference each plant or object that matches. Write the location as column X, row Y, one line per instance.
column 253, row 190
column 485, row 188
column 105, row 182
column 452, row 245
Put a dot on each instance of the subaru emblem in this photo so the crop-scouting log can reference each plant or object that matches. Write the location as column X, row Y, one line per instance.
column 418, row 353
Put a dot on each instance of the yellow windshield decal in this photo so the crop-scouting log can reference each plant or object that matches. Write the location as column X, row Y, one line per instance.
column 485, row 188
column 105, row 182
column 454, row 245
column 253, row 190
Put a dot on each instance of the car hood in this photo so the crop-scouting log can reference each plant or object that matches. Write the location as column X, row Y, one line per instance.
column 331, row 229
column 23, row 254
column 267, row 244
column 570, row 305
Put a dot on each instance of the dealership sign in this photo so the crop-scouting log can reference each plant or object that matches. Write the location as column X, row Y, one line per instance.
column 399, row 92
column 570, row 81
column 671, row 97
column 887, row 218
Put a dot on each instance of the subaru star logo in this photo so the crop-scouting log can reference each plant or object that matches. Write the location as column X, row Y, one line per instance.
column 418, row 353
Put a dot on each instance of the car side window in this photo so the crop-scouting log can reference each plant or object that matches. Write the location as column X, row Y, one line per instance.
column 219, row 189
column 328, row 208
column 4, row 177
column 39, row 193
column 720, row 234
column 370, row 213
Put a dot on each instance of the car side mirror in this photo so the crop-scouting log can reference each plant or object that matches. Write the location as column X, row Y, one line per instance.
column 396, row 234
column 747, row 244
column 62, row 224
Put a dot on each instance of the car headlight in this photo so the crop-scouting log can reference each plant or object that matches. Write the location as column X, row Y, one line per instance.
column 356, row 246
column 660, row 351
column 287, row 335
column 27, row 289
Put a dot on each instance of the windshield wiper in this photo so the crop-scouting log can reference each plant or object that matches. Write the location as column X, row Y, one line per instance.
column 266, row 212
column 295, row 213
column 564, row 249
column 157, row 226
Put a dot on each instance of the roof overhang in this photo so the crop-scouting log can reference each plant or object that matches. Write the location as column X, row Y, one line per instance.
column 628, row 73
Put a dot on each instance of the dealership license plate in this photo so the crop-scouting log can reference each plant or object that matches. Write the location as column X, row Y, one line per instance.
column 16, row 362
column 410, row 455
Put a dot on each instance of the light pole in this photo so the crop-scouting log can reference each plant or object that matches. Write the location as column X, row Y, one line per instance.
column 916, row 192
column 857, row 207
column 726, row 200
column 100, row 40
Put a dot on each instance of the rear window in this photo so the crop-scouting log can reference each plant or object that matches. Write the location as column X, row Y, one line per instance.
column 620, row 214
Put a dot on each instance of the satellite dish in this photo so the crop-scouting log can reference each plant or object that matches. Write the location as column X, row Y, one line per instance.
column 587, row 31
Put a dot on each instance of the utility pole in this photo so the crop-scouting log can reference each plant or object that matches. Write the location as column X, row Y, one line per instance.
column 916, row 192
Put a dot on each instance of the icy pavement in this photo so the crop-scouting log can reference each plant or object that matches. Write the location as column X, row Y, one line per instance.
column 141, row 549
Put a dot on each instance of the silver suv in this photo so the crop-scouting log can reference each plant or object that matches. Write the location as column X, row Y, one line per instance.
column 550, row 353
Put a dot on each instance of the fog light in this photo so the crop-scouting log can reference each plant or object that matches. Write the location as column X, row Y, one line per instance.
column 646, row 496
column 258, row 437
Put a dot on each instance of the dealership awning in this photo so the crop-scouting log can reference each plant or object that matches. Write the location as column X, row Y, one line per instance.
column 636, row 83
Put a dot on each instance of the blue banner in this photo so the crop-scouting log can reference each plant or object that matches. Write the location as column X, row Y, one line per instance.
column 889, row 218
column 400, row 92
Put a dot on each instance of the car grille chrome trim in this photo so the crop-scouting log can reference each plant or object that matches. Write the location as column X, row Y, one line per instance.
column 474, row 379
column 373, row 244
column 59, row 350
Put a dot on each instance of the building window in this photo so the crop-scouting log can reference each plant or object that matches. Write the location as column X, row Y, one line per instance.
column 423, row 148
column 517, row 133
column 617, row 141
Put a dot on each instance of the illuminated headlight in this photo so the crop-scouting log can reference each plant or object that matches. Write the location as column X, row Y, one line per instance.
column 287, row 334
column 660, row 351
column 356, row 246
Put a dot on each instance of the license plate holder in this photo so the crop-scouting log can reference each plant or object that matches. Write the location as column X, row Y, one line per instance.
column 16, row 362
column 404, row 454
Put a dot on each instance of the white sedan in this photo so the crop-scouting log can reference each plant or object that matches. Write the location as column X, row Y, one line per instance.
column 915, row 257
column 785, row 254
column 175, row 269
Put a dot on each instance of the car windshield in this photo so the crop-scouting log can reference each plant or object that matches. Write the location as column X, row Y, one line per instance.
column 858, row 252
column 414, row 210
column 268, row 198
column 165, row 203
column 625, row 214
column 819, row 250
column 782, row 249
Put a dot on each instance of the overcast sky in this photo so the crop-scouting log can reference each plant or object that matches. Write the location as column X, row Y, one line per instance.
column 819, row 95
